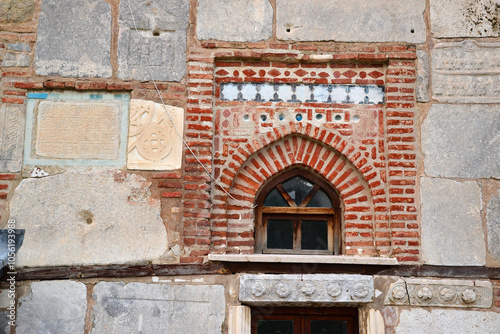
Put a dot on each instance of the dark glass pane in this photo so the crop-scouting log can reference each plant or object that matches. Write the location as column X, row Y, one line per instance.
column 279, row 234
column 274, row 198
column 328, row 327
column 275, row 327
column 320, row 200
column 314, row 234
column 298, row 188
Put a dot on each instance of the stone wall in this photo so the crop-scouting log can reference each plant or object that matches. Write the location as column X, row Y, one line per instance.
column 395, row 103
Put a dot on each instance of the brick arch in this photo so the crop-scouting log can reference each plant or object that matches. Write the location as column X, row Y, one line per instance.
column 309, row 147
column 329, row 138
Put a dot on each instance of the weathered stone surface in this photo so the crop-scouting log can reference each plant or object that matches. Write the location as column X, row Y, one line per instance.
column 24, row 47
column 466, row 72
column 462, row 141
column 77, row 129
column 158, row 308
column 235, row 21
column 52, row 307
column 306, row 289
column 16, row 59
column 83, row 218
column 422, row 76
column 153, row 142
column 493, row 227
column 465, row 18
column 351, row 20
column 16, row 11
column 12, row 120
column 452, row 232
column 160, row 40
column 419, row 320
column 441, row 293
column 4, row 322
column 74, row 39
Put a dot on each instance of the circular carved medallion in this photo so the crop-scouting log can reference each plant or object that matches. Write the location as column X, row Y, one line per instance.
column 155, row 143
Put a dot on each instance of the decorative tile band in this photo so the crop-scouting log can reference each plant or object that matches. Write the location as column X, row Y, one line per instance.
column 300, row 93
column 306, row 289
column 444, row 293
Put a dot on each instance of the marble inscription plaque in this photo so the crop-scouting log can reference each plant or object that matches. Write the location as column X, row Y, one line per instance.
column 153, row 140
column 77, row 130
column 466, row 72
column 11, row 138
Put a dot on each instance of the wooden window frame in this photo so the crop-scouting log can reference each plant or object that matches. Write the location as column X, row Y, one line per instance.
column 333, row 215
column 302, row 317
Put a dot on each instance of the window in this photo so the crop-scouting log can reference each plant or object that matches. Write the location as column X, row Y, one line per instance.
column 298, row 213
column 295, row 320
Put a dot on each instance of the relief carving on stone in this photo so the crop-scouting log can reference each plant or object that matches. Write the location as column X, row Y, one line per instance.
column 12, row 121
column 444, row 293
column 466, row 72
column 306, row 289
column 153, row 141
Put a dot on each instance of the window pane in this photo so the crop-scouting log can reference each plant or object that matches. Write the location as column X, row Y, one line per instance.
column 298, row 188
column 274, row 198
column 328, row 327
column 279, row 234
column 320, row 200
column 275, row 327
column 314, row 234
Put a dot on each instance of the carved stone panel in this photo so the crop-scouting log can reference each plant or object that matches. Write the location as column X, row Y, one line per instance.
column 154, row 143
column 466, row 72
column 311, row 289
column 443, row 293
column 76, row 129
column 12, row 121
column 159, row 43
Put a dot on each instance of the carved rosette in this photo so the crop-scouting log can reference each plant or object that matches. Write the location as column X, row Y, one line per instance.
column 444, row 293
column 306, row 289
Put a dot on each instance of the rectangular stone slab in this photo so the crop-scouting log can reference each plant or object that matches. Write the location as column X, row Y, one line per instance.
column 465, row 18
column 76, row 129
column 160, row 40
column 466, row 72
column 157, row 308
column 295, row 290
column 12, row 121
column 351, row 20
column 74, row 39
column 462, row 141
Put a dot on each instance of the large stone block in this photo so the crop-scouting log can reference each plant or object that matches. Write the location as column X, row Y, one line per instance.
column 422, row 76
column 12, row 120
column 452, row 232
column 306, row 289
column 462, row 141
column 4, row 322
column 52, row 307
column 76, row 129
column 154, row 142
column 85, row 218
column 493, row 227
column 466, row 72
column 16, row 11
column 465, row 18
column 158, row 308
column 351, row 20
column 419, row 320
column 235, row 21
column 160, row 39
column 74, row 39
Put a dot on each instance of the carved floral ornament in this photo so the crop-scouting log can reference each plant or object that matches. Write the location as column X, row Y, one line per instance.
column 446, row 293
column 310, row 289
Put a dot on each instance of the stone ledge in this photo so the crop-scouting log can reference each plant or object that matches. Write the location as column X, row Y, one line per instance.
column 320, row 259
